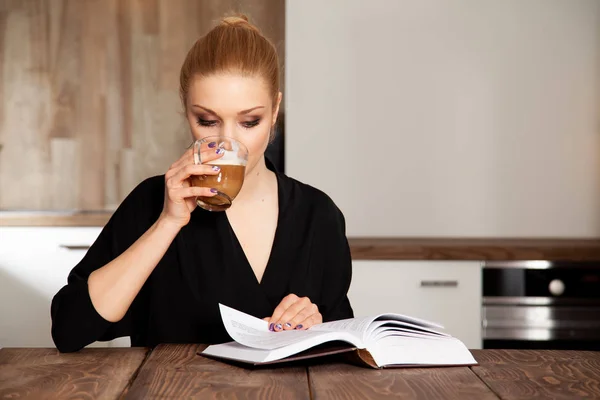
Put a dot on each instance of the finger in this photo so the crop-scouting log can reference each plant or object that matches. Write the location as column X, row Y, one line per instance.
column 298, row 321
column 311, row 321
column 207, row 154
column 211, row 155
column 180, row 194
column 186, row 158
column 304, row 306
column 280, row 309
column 176, row 180
column 285, row 320
column 205, row 146
column 180, row 177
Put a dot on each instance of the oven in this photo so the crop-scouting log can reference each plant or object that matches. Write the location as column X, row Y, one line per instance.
column 541, row 305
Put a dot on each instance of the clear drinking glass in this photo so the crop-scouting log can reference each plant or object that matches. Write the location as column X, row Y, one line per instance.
column 228, row 182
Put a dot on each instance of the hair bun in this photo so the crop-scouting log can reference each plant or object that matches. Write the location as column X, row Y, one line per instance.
column 240, row 20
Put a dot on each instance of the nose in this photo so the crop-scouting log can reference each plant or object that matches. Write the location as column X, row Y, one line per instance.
column 228, row 128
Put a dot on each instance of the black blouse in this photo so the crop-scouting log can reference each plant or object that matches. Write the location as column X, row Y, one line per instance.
column 205, row 265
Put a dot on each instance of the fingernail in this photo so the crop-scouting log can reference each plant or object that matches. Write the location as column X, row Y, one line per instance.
column 288, row 325
column 212, row 144
column 299, row 326
column 220, row 151
column 216, row 168
column 213, row 190
column 278, row 327
column 271, row 327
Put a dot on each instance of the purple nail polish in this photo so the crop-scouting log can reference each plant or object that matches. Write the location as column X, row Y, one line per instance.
column 213, row 190
column 271, row 328
column 288, row 325
column 278, row 327
column 212, row 145
column 220, row 151
column 299, row 326
column 215, row 168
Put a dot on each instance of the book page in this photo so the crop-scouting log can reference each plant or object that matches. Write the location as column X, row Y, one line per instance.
column 402, row 350
column 364, row 327
column 411, row 320
column 379, row 334
column 377, row 326
column 236, row 351
column 356, row 326
column 254, row 332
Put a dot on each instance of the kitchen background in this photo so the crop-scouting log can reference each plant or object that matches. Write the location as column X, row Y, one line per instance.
column 457, row 137
column 89, row 88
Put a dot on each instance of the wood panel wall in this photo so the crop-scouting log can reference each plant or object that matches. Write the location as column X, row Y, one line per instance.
column 89, row 100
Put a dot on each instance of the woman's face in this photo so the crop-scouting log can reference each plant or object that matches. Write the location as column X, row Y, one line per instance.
column 235, row 106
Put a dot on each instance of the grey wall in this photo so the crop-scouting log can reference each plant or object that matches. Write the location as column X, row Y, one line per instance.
column 448, row 118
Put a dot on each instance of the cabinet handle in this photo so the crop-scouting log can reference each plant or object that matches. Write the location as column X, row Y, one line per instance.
column 439, row 283
column 74, row 247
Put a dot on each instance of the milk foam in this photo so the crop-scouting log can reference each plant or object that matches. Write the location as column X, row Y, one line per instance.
column 230, row 157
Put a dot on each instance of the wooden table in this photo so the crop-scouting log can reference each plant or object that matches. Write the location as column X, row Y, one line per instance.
column 175, row 371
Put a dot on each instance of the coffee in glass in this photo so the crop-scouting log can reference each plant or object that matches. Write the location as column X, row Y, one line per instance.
column 230, row 178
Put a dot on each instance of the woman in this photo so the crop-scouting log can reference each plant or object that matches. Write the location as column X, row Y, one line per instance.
column 160, row 266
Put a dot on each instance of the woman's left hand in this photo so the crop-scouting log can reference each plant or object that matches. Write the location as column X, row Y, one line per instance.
column 294, row 313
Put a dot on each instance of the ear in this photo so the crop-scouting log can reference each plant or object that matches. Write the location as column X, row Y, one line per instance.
column 276, row 108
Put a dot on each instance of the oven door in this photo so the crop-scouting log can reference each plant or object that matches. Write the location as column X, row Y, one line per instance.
column 540, row 323
column 541, row 304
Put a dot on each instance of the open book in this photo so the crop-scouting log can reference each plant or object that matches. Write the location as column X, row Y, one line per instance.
column 386, row 340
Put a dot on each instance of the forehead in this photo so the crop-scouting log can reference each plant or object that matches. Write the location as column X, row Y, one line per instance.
column 228, row 92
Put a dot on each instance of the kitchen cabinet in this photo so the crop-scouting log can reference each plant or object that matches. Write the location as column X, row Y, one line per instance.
column 447, row 292
column 34, row 265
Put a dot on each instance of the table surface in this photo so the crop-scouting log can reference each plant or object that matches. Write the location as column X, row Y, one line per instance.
column 176, row 371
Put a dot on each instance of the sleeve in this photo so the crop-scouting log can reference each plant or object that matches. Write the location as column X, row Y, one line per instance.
column 75, row 321
column 333, row 253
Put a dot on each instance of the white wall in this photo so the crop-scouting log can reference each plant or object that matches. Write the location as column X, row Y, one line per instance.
column 448, row 118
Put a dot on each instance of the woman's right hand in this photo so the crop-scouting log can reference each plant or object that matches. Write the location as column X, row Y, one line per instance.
column 180, row 195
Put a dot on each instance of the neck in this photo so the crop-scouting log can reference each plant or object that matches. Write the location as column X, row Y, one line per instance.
column 255, row 183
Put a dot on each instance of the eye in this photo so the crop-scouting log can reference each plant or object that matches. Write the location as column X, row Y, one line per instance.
column 206, row 122
column 251, row 124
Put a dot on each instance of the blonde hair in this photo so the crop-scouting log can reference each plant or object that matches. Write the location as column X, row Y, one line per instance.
column 234, row 45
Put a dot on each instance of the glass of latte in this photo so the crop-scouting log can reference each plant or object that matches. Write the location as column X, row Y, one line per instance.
column 228, row 182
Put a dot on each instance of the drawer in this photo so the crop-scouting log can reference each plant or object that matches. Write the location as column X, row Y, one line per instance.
column 447, row 292
column 34, row 265
column 47, row 238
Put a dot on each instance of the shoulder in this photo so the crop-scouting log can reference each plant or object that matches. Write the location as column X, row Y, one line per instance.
column 316, row 201
column 148, row 193
column 136, row 213
column 152, row 185
column 144, row 203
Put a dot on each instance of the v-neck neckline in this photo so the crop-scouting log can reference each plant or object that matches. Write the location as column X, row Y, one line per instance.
column 238, row 244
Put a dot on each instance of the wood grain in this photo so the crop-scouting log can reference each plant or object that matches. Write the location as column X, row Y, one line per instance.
column 87, row 374
column 547, row 374
column 102, row 76
column 3, row 15
column 176, row 371
column 474, row 249
column 63, row 153
column 341, row 381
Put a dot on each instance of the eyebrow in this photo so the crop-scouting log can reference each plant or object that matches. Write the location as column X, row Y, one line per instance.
column 243, row 112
